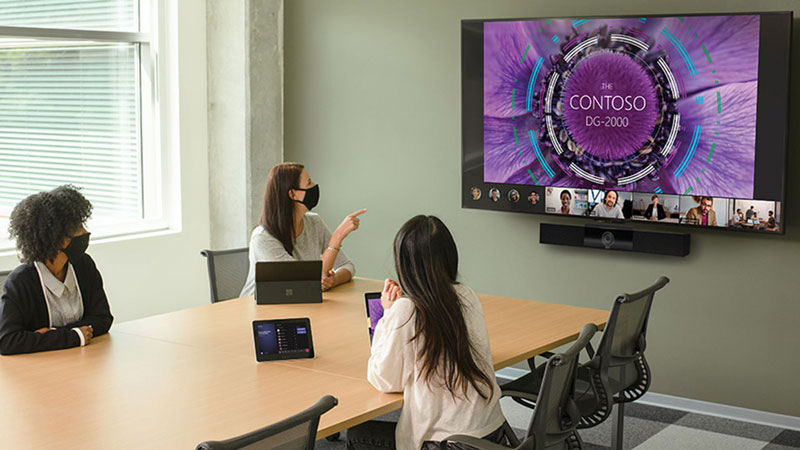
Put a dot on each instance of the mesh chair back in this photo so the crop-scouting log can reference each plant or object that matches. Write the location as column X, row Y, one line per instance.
column 621, row 350
column 227, row 272
column 3, row 276
column 298, row 432
column 556, row 415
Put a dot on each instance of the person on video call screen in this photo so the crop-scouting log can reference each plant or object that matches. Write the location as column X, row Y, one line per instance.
column 704, row 214
column 609, row 208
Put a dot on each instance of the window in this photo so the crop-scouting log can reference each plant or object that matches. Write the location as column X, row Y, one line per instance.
column 79, row 105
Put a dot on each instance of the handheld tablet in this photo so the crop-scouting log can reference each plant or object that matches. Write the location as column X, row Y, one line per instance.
column 280, row 339
column 374, row 311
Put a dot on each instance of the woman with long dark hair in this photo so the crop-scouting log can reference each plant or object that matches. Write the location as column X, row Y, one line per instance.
column 55, row 299
column 431, row 345
column 287, row 231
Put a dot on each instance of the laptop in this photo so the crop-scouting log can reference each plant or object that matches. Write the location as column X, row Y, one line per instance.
column 281, row 282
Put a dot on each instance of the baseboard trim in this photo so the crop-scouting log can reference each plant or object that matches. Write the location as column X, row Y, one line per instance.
column 697, row 406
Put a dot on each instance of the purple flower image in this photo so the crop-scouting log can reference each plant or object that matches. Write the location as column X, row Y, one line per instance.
column 633, row 81
column 375, row 312
column 664, row 104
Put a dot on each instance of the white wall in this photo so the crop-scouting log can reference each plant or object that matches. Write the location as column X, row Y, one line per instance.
column 151, row 275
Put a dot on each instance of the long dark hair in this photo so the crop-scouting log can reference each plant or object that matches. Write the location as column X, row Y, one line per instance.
column 277, row 216
column 426, row 260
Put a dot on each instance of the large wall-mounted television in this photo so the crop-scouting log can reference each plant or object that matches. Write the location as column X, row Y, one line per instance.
column 675, row 119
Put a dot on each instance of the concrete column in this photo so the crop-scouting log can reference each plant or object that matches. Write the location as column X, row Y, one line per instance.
column 245, row 112
column 265, row 124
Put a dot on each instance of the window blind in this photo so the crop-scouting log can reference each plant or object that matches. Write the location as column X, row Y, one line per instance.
column 108, row 15
column 70, row 112
column 70, row 115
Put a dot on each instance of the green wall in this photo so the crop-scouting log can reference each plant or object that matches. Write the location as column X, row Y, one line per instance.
column 372, row 92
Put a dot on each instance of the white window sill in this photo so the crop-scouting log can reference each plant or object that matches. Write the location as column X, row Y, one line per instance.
column 105, row 234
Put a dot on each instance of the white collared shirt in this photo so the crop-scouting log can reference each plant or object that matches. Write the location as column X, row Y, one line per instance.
column 64, row 300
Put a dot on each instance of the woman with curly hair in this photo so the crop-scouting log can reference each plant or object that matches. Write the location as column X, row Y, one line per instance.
column 55, row 299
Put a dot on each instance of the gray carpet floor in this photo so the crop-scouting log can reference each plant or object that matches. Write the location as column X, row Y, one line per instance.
column 654, row 428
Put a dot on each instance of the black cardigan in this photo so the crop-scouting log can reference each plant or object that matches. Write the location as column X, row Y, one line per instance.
column 23, row 310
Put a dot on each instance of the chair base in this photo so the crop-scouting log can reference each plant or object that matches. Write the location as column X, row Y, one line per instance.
column 617, row 420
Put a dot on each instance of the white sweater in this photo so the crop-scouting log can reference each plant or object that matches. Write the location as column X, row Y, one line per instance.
column 307, row 247
column 430, row 413
column 600, row 210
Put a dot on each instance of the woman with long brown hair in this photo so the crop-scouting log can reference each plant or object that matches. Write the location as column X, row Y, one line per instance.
column 287, row 231
column 432, row 345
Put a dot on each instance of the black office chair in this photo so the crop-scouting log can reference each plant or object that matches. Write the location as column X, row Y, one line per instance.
column 227, row 272
column 616, row 374
column 556, row 415
column 298, row 432
column 3, row 276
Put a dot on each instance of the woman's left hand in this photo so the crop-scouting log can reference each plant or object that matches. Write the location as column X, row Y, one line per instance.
column 391, row 292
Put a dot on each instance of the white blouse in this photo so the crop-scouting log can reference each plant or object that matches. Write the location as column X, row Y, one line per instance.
column 430, row 413
column 64, row 300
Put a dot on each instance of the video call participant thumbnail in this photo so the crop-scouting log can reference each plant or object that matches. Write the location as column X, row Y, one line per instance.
column 566, row 200
column 476, row 193
column 658, row 214
column 704, row 214
column 608, row 209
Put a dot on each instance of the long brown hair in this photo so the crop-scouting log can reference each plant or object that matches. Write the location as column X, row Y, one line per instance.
column 426, row 260
column 277, row 216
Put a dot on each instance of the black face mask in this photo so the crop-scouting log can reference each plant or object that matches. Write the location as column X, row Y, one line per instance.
column 312, row 197
column 77, row 247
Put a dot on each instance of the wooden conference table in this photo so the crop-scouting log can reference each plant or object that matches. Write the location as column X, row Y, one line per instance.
column 176, row 379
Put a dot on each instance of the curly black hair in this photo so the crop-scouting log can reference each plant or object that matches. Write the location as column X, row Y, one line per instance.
column 40, row 222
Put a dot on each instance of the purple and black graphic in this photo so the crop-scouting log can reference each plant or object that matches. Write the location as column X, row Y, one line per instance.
column 375, row 313
column 663, row 104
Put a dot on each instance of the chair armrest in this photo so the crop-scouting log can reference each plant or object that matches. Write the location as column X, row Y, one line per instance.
column 477, row 443
column 545, row 355
column 590, row 350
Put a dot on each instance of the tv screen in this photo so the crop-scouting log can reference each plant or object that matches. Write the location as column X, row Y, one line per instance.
column 669, row 119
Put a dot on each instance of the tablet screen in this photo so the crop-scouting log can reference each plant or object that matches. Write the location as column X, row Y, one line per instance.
column 283, row 339
column 374, row 310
